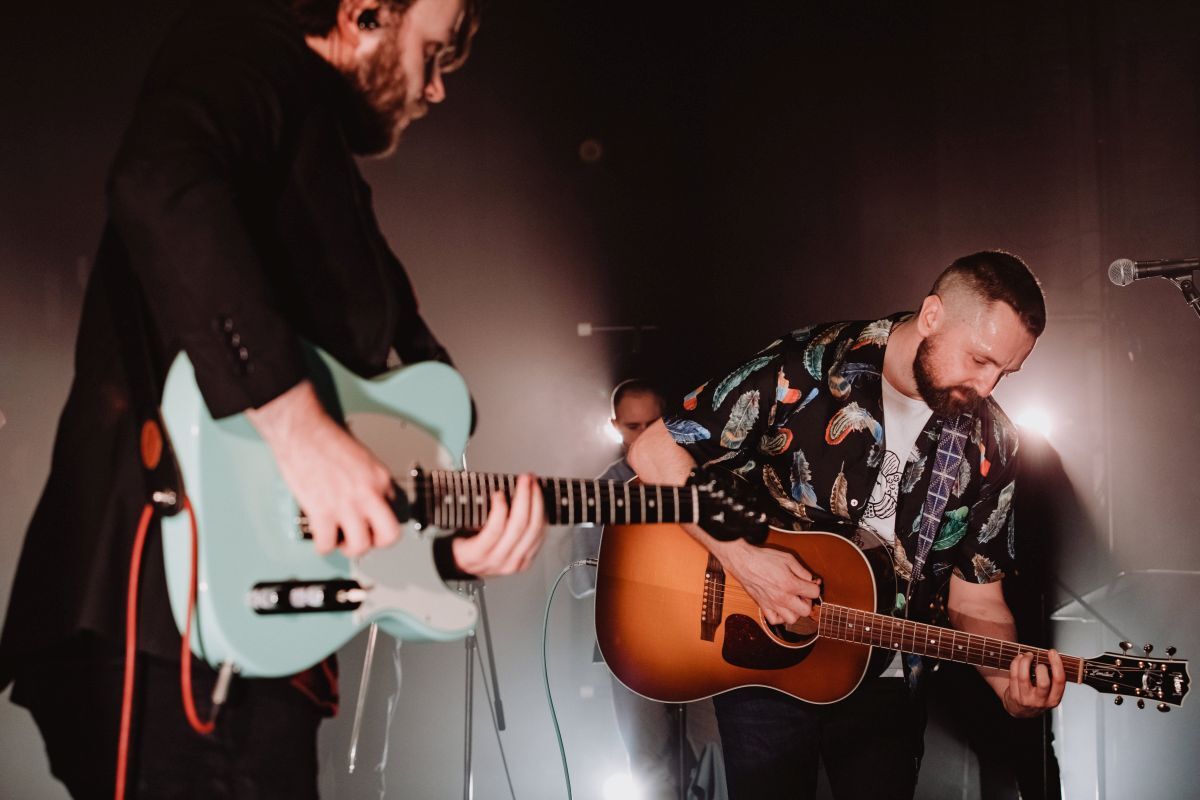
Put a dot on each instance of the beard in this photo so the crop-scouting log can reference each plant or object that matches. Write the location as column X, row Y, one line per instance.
column 380, row 108
column 944, row 400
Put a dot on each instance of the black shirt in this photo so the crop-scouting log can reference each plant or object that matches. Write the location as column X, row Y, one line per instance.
column 236, row 205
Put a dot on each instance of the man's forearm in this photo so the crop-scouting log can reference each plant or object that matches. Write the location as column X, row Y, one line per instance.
column 992, row 620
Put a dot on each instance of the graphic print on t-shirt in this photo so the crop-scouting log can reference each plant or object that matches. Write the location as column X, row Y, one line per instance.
column 903, row 420
column 886, row 494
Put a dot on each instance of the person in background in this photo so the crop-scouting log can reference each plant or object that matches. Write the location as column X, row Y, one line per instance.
column 649, row 730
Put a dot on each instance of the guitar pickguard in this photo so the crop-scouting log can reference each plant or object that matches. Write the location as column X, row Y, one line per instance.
column 748, row 646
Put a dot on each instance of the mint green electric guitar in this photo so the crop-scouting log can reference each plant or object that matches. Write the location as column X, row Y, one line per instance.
column 270, row 605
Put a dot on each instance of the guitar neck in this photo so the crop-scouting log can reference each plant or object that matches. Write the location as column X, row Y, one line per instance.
column 881, row 630
column 451, row 500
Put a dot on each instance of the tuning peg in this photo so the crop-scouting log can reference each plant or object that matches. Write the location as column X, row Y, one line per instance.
column 1118, row 700
column 1125, row 646
column 1141, row 703
column 1148, row 648
column 1171, row 652
column 1163, row 707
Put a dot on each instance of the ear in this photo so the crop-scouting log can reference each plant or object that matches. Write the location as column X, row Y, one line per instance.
column 613, row 421
column 350, row 17
column 931, row 315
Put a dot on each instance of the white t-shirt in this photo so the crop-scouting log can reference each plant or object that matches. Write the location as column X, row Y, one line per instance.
column 903, row 420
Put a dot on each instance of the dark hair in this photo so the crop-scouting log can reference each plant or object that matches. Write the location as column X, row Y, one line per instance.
column 635, row 386
column 996, row 275
column 318, row 17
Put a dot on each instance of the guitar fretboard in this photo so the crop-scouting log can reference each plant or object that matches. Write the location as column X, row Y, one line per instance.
column 462, row 500
column 880, row 630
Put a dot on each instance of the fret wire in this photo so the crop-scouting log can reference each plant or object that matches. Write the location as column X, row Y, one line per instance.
column 557, row 517
column 597, row 512
column 468, row 495
column 473, row 498
column 626, row 501
column 460, row 500
column 675, row 494
column 658, row 501
column 642, row 498
column 481, row 489
column 447, row 520
column 438, row 520
column 465, row 498
column 612, row 503
column 430, row 506
column 570, row 503
column 695, row 503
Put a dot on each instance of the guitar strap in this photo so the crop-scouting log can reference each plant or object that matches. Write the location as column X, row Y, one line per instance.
column 950, row 446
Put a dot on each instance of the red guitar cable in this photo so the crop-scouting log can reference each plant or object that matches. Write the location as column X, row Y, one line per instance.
column 185, row 665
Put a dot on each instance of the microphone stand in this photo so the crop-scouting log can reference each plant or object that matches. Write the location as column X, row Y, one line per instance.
column 474, row 590
column 1190, row 295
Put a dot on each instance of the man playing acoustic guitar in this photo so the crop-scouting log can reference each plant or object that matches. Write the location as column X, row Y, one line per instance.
column 849, row 427
column 239, row 224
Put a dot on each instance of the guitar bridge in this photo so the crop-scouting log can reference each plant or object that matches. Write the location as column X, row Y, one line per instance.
column 306, row 597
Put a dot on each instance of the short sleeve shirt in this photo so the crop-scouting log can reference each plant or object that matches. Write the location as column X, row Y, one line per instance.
column 804, row 418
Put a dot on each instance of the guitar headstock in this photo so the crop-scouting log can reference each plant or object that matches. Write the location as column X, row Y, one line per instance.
column 730, row 507
column 1163, row 681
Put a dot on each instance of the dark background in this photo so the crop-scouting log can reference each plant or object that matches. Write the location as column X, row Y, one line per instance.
column 760, row 166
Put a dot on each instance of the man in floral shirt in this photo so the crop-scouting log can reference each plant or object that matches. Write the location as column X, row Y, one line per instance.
column 840, row 424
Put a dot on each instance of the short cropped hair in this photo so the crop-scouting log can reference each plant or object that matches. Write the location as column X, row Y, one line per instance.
column 994, row 275
column 635, row 386
column 318, row 17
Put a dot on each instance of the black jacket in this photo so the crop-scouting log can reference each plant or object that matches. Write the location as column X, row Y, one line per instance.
column 237, row 207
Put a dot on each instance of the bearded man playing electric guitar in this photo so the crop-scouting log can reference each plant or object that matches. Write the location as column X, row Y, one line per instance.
column 239, row 227
column 844, row 426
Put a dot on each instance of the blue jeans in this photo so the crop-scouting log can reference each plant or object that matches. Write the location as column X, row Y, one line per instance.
column 870, row 744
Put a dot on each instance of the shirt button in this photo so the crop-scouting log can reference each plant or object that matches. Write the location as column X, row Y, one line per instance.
column 854, row 503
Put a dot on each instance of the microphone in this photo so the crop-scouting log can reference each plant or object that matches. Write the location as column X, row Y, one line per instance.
column 1124, row 271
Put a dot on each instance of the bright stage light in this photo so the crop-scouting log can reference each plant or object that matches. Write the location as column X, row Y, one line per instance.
column 610, row 433
column 621, row 786
column 1037, row 420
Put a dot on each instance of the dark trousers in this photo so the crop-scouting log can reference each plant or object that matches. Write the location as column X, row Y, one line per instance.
column 870, row 744
column 264, row 745
column 1016, row 756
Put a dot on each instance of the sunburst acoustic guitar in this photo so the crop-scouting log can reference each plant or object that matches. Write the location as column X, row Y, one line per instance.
column 674, row 627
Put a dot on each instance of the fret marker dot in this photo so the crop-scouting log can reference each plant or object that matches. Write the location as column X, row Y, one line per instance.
column 620, row 503
column 591, row 502
column 564, row 502
column 651, row 504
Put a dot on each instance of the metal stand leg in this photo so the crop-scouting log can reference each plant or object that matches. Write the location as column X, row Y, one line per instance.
column 681, row 749
column 474, row 590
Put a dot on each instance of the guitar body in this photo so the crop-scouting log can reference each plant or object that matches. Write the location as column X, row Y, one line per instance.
column 249, row 534
column 674, row 628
